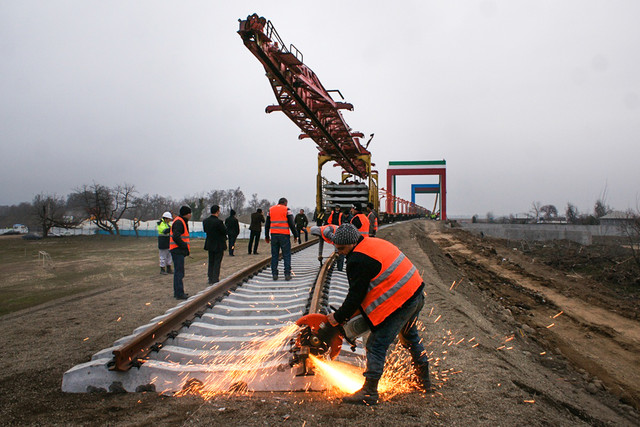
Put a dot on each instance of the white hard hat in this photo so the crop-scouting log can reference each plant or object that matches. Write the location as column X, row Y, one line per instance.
column 167, row 214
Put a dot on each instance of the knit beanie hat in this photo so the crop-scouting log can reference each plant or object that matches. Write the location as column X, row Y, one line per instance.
column 185, row 210
column 346, row 234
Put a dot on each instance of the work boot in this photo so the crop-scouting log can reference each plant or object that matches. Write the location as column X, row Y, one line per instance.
column 367, row 395
column 169, row 270
column 287, row 277
column 162, row 270
column 424, row 379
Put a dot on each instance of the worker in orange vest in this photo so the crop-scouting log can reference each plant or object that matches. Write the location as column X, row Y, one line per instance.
column 180, row 247
column 388, row 291
column 336, row 217
column 276, row 231
column 359, row 220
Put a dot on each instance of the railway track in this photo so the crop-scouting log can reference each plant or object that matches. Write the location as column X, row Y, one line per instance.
column 235, row 334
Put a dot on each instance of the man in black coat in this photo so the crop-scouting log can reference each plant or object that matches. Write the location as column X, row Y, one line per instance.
column 255, row 228
column 216, row 243
column 233, row 229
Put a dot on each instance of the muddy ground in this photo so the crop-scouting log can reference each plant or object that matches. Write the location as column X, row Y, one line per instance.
column 514, row 340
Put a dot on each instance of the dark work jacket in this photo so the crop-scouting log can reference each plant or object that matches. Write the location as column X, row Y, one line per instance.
column 177, row 229
column 361, row 269
column 301, row 221
column 257, row 219
column 216, row 234
column 233, row 227
column 164, row 238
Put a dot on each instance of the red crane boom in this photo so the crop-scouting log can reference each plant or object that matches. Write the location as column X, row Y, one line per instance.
column 302, row 97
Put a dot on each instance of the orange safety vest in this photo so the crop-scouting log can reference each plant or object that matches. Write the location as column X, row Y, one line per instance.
column 364, row 227
column 330, row 220
column 325, row 228
column 279, row 222
column 184, row 236
column 397, row 281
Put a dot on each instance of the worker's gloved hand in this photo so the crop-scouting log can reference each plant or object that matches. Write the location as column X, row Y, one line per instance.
column 267, row 239
column 332, row 320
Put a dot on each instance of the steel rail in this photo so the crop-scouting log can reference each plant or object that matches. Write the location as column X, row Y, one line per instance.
column 133, row 351
column 318, row 289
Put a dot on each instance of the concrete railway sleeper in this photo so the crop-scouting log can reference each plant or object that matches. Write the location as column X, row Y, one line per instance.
column 234, row 335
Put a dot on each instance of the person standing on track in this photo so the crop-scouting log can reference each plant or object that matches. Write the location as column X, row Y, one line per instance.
column 255, row 228
column 233, row 229
column 180, row 247
column 336, row 217
column 301, row 222
column 215, row 244
column 276, row 231
column 389, row 292
column 359, row 220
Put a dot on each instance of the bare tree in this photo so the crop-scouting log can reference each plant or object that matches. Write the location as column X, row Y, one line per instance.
column 96, row 200
column 50, row 212
column 630, row 228
column 600, row 208
column 550, row 211
column 197, row 203
column 235, row 200
column 572, row 214
column 123, row 196
column 254, row 203
column 106, row 206
column 265, row 204
column 535, row 210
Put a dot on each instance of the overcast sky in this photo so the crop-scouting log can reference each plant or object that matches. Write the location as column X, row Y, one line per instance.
column 526, row 100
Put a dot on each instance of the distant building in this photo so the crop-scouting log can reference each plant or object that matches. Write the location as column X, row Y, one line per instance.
column 617, row 218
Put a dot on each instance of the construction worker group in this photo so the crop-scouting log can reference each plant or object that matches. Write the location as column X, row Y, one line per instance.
column 384, row 286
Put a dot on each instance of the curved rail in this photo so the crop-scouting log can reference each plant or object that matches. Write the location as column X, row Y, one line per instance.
column 131, row 353
column 237, row 331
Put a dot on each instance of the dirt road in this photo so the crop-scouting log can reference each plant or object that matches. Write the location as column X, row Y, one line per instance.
column 495, row 358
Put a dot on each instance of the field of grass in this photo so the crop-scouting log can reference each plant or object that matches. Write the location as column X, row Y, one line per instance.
column 73, row 265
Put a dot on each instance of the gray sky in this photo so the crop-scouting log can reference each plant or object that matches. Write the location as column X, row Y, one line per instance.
column 526, row 100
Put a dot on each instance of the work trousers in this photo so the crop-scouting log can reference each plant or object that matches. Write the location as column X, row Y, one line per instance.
column 280, row 242
column 165, row 257
column 306, row 234
column 401, row 323
column 178, row 274
column 232, row 243
column 254, row 239
column 213, row 270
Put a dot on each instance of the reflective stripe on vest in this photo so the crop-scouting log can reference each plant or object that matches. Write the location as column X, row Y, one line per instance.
column 279, row 221
column 184, row 236
column 397, row 281
column 364, row 224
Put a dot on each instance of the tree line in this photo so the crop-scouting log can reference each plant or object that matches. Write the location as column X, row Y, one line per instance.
column 106, row 206
column 549, row 213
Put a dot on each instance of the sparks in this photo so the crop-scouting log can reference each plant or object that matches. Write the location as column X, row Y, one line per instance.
column 558, row 314
column 551, row 325
column 341, row 376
